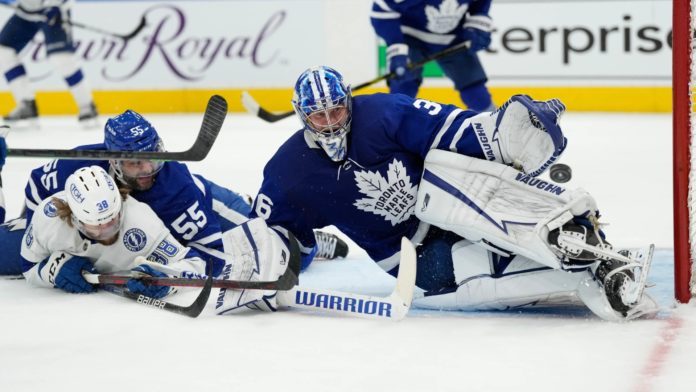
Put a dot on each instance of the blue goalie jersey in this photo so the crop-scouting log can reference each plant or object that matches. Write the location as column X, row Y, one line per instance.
column 371, row 195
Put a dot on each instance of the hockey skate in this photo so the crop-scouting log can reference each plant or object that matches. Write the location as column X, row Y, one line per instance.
column 622, row 274
column 625, row 280
column 88, row 117
column 25, row 114
column 329, row 246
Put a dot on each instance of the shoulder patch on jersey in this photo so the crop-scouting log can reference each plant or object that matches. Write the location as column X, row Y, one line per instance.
column 168, row 248
column 135, row 240
column 29, row 236
column 50, row 210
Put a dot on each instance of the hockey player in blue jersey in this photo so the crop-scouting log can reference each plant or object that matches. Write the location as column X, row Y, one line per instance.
column 416, row 29
column 462, row 185
column 49, row 16
column 194, row 209
column 3, row 154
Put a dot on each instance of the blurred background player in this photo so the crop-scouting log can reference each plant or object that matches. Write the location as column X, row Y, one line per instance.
column 93, row 227
column 49, row 16
column 416, row 29
column 3, row 154
column 357, row 164
column 196, row 210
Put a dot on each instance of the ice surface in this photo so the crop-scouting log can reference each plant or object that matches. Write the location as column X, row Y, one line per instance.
column 50, row 340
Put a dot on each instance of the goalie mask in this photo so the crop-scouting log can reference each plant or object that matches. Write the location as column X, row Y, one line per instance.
column 95, row 203
column 323, row 103
column 129, row 131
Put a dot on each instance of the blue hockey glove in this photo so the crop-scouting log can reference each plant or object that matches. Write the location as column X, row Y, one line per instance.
column 397, row 62
column 477, row 30
column 65, row 272
column 138, row 287
column 53, row 15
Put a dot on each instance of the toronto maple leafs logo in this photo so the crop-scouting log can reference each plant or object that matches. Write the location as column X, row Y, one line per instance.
column 446, row 18
column 393, row 197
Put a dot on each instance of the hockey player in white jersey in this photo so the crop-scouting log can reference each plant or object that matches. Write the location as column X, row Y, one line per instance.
column 463, row 186
column 91, row 227
column 51, row 17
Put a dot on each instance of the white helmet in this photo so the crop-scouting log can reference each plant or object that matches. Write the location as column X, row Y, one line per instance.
column 95, row 202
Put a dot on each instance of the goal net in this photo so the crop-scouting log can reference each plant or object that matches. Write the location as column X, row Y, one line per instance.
column 684, row 154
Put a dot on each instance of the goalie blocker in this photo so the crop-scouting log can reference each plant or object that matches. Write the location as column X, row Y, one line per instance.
column 506, row 258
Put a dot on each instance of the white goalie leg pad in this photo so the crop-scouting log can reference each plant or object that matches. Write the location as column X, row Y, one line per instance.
column 254, row 252
column 487, row 282
column 496, row 205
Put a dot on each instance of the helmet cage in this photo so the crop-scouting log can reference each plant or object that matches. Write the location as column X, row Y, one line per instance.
column 324, row 105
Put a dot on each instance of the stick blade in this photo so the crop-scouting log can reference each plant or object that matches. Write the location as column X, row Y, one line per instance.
column 213, row 119
column 406, row 280
column 250, row 104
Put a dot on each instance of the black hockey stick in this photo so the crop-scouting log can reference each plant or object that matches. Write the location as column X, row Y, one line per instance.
column 254, row 108
column 192, row 310
column 287, row 281
column 212, row 123
column 124, row 37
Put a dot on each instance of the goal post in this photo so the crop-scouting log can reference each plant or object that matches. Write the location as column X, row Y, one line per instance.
column 684, row 232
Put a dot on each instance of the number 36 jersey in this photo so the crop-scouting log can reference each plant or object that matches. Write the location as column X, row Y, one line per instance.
column 371, row 195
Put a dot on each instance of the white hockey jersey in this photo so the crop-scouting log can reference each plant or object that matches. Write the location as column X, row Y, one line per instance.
column 142, row 234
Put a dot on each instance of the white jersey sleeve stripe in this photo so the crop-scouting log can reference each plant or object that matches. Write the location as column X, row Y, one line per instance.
column 228, row 213
column 445, row 127
column 211, row 238
column 381, row 4
column 384, row 15
column 32, row 204
column 199, row 184
column 458, row 136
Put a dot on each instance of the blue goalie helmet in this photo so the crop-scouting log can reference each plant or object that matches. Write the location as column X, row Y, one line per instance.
column 324, row 104
column 129, row 131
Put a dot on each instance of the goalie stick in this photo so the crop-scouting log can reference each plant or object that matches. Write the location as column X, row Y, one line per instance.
column 286, row 281
column 394, row 307
column 192, row 310
column 124, row 37
column 213, row 119
column 254, row 108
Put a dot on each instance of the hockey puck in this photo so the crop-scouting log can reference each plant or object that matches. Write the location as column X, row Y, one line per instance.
column 560, row 173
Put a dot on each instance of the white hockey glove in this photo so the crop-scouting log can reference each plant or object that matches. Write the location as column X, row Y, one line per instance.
column 522, row 133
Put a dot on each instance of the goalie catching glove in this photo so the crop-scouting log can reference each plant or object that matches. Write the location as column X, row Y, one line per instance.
column 522, row 133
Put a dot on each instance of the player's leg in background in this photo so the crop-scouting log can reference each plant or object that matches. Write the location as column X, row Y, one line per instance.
column 410, row 83
column 14, row 36
column 465, row 70
column 11, row 234
column 61, row 54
